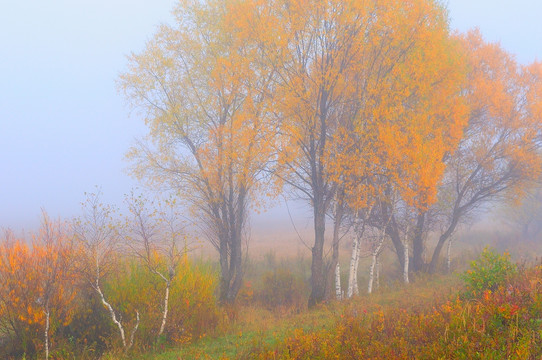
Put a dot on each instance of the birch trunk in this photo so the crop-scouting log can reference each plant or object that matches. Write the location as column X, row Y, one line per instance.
column 374, row 263
column 164, row 315
column 134, row 331
column 352, row 279
column 112, row 313
column 405, row 268
column 356, row 289
column 47, row 333
column 116, row 321
column 377, row 272
column 448, row 255
column 338, row 290
column 371, row 274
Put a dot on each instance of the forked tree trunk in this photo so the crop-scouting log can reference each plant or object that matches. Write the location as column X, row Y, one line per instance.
column 116, row 321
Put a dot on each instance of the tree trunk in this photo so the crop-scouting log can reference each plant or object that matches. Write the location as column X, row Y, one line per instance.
column 418, row 244
column 405, row 264
column 112, row 314
column 116, row 321
column 338, row 290
column 393, row 232
column 377, row 272
column 164, row 314
column 352, row 275
column 374, row 263
column 46, row 332
column 225, row 277
column 442, row 239
column 317, row 266
column 372, row 273
column 331, row 271
column 448, row 255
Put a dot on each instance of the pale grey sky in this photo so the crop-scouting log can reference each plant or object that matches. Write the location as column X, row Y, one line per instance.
column 63, row 126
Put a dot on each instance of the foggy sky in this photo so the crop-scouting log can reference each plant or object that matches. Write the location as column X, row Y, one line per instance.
column 63, row 126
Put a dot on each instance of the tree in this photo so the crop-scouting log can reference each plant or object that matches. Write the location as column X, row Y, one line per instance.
column 36, row 286
column 98, row 236
column 408, row 115
column 373, row 76
column 154, row 235
column 203, row 93
column 499, row 154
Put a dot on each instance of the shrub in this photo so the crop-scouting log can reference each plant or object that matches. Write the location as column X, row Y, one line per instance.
column 192, row 304
column 489, row 271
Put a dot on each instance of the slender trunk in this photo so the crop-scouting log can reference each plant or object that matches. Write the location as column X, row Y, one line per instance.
column 418, row 244
column 442, row 239
column 352, row 279
column 356, row 266
column 374, row 263
column 405, row 267
column 164, row 314
column 338, row 290
column 378, row 272
column 134, row 331
column 112, row 314
column 331, row 275
column 448, row 255
column 371, row 274
column 317, row 266
column 46, row 332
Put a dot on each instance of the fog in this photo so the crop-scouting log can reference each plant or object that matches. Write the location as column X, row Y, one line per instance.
column 64, row 128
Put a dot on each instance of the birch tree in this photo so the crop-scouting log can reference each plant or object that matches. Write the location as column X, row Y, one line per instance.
column 155, row 235
column 98, row 235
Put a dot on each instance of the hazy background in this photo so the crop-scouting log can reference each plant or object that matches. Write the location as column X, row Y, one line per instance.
column 63, row 126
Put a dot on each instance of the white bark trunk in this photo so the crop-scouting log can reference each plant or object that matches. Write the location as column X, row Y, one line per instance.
column 448, row 255
column 134, row 331
column 371, row 274
column 405, row 269
column 377, row 272
column 352, row 273
column 338, row 291
column 112, row 314
column 374, row 263
column 47, row 333
column 356, row 289
column 164, row 315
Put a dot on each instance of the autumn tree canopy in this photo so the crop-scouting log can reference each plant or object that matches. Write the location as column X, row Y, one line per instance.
column 203, row 95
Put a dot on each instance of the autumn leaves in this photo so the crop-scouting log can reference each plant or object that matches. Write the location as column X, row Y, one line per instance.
column 368, row 100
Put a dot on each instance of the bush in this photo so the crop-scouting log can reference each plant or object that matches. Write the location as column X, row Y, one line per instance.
column 500, row 324
column 192, row 305
column 489, row 271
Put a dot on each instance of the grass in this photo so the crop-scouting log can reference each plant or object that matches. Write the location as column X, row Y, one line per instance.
column 256, row 328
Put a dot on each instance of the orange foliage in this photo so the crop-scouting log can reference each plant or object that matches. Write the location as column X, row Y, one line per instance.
column 34, row 280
